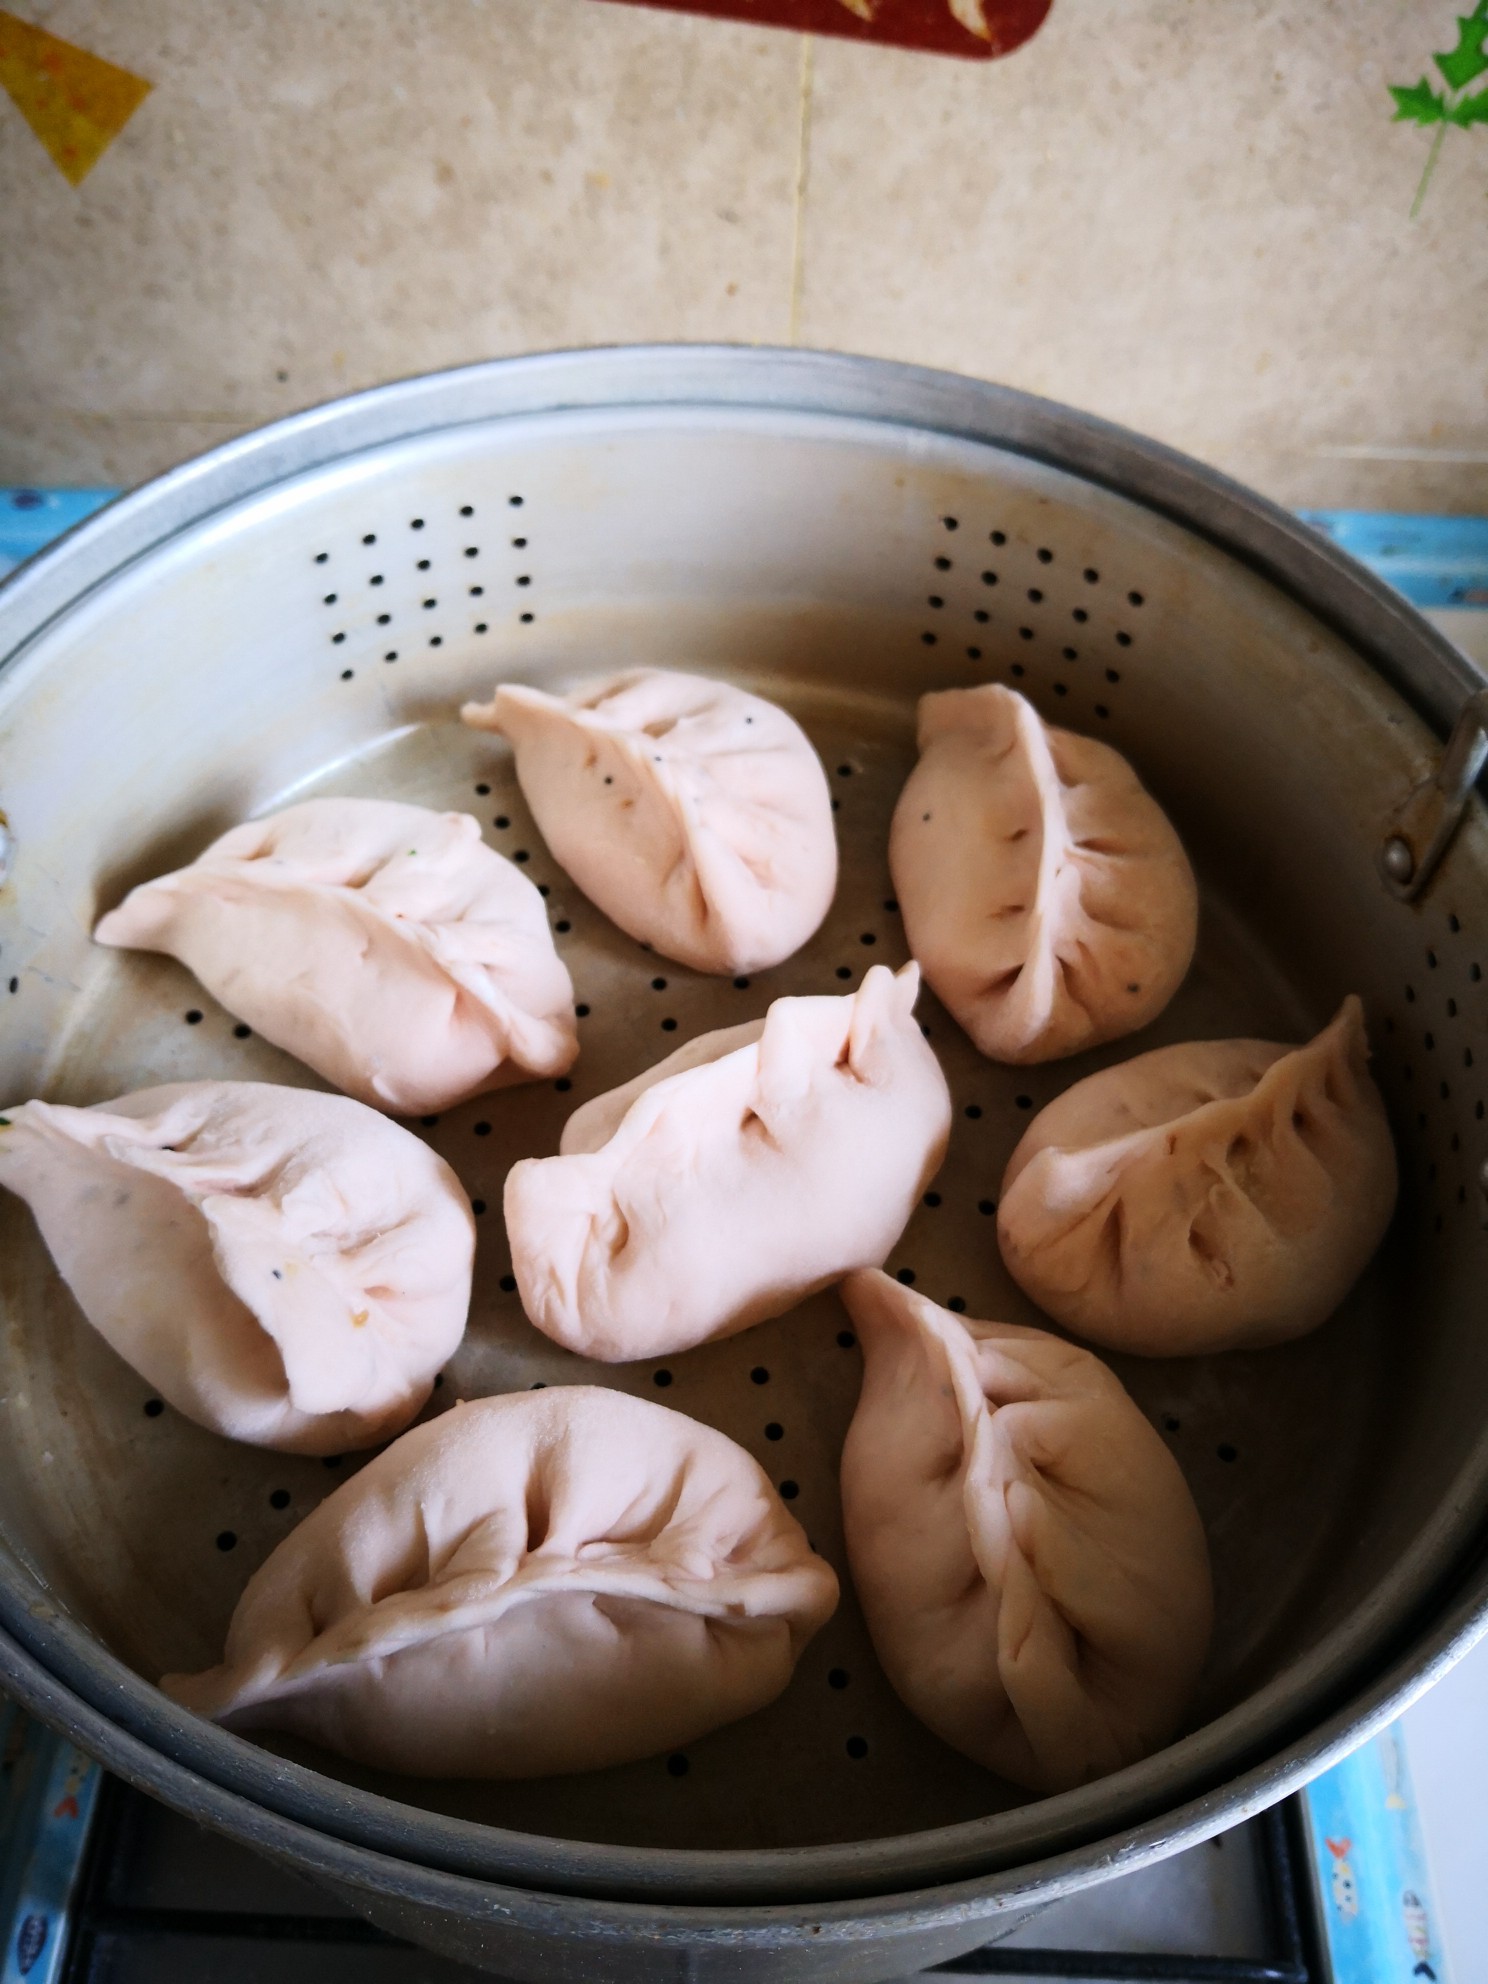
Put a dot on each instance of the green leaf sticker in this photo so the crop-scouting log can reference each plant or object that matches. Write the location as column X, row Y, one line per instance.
column 1468, row 60
column 4, row 1122
column 1420, row 105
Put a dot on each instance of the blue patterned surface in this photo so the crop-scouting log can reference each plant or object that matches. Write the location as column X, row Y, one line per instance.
column 1434, row 561
column 47, row 1789
column 31, row 518
column 1375, row 1902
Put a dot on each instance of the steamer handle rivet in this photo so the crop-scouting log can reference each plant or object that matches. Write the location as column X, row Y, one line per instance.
column 1421, row 831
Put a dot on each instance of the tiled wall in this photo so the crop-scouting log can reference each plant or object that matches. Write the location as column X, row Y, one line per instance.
column 1192, row 216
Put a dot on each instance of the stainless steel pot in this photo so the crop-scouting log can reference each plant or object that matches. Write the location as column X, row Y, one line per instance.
column 303, row 611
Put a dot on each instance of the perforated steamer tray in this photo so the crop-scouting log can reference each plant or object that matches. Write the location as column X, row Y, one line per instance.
column 318, row 636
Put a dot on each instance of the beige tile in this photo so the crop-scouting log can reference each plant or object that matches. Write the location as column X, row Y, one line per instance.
column 69, row 448
column 317, row 197
column 1190, row 218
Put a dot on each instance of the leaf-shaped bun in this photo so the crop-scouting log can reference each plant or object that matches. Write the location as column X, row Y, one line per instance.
column 385, row 946
column 1029, row 1560
column 547, row 1582
column 286, row 1267
column 1046, row 897
column 737, row 1177
column 1219, row 1193
column 695, row 815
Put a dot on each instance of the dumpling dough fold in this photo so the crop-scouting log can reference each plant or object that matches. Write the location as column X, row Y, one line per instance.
column 386, row 946
column 527, row 1585
column 1204, row 1196
column 749, row 1169
column 1030, row 1563
column 1045, row 894
column 695, row 815
column 285, row 1267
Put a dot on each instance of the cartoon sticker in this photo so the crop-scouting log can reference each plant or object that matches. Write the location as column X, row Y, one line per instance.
column 76, row 103
column 977, row 30
column 1458, row 106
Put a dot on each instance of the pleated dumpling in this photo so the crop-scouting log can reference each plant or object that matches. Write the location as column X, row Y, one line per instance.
column 695, row 815
column 1046, row 897
column 1206, row 1196
column 286, row 1267
column 1030, row 1563
column 386, row 946
column 546, row 1582
column 725, row 1185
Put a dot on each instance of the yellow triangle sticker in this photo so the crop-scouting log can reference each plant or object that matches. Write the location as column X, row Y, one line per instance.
column 76, row 103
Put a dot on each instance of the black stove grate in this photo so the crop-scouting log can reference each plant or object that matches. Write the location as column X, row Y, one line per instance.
column 117, row 1940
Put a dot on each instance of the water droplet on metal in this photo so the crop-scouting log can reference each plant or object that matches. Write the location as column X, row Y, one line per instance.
column 1400, row 863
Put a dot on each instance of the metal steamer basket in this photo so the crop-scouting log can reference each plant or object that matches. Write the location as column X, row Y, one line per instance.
column 302, row 612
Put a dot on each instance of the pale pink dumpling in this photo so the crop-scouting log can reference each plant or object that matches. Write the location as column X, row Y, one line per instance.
column 748, row 1170
column 695, row 815
column 285, row 1267
column 386, row 946
column 1028, row 1557
column 548, row 1582
column 1205, row 1196
column 1045, row 895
